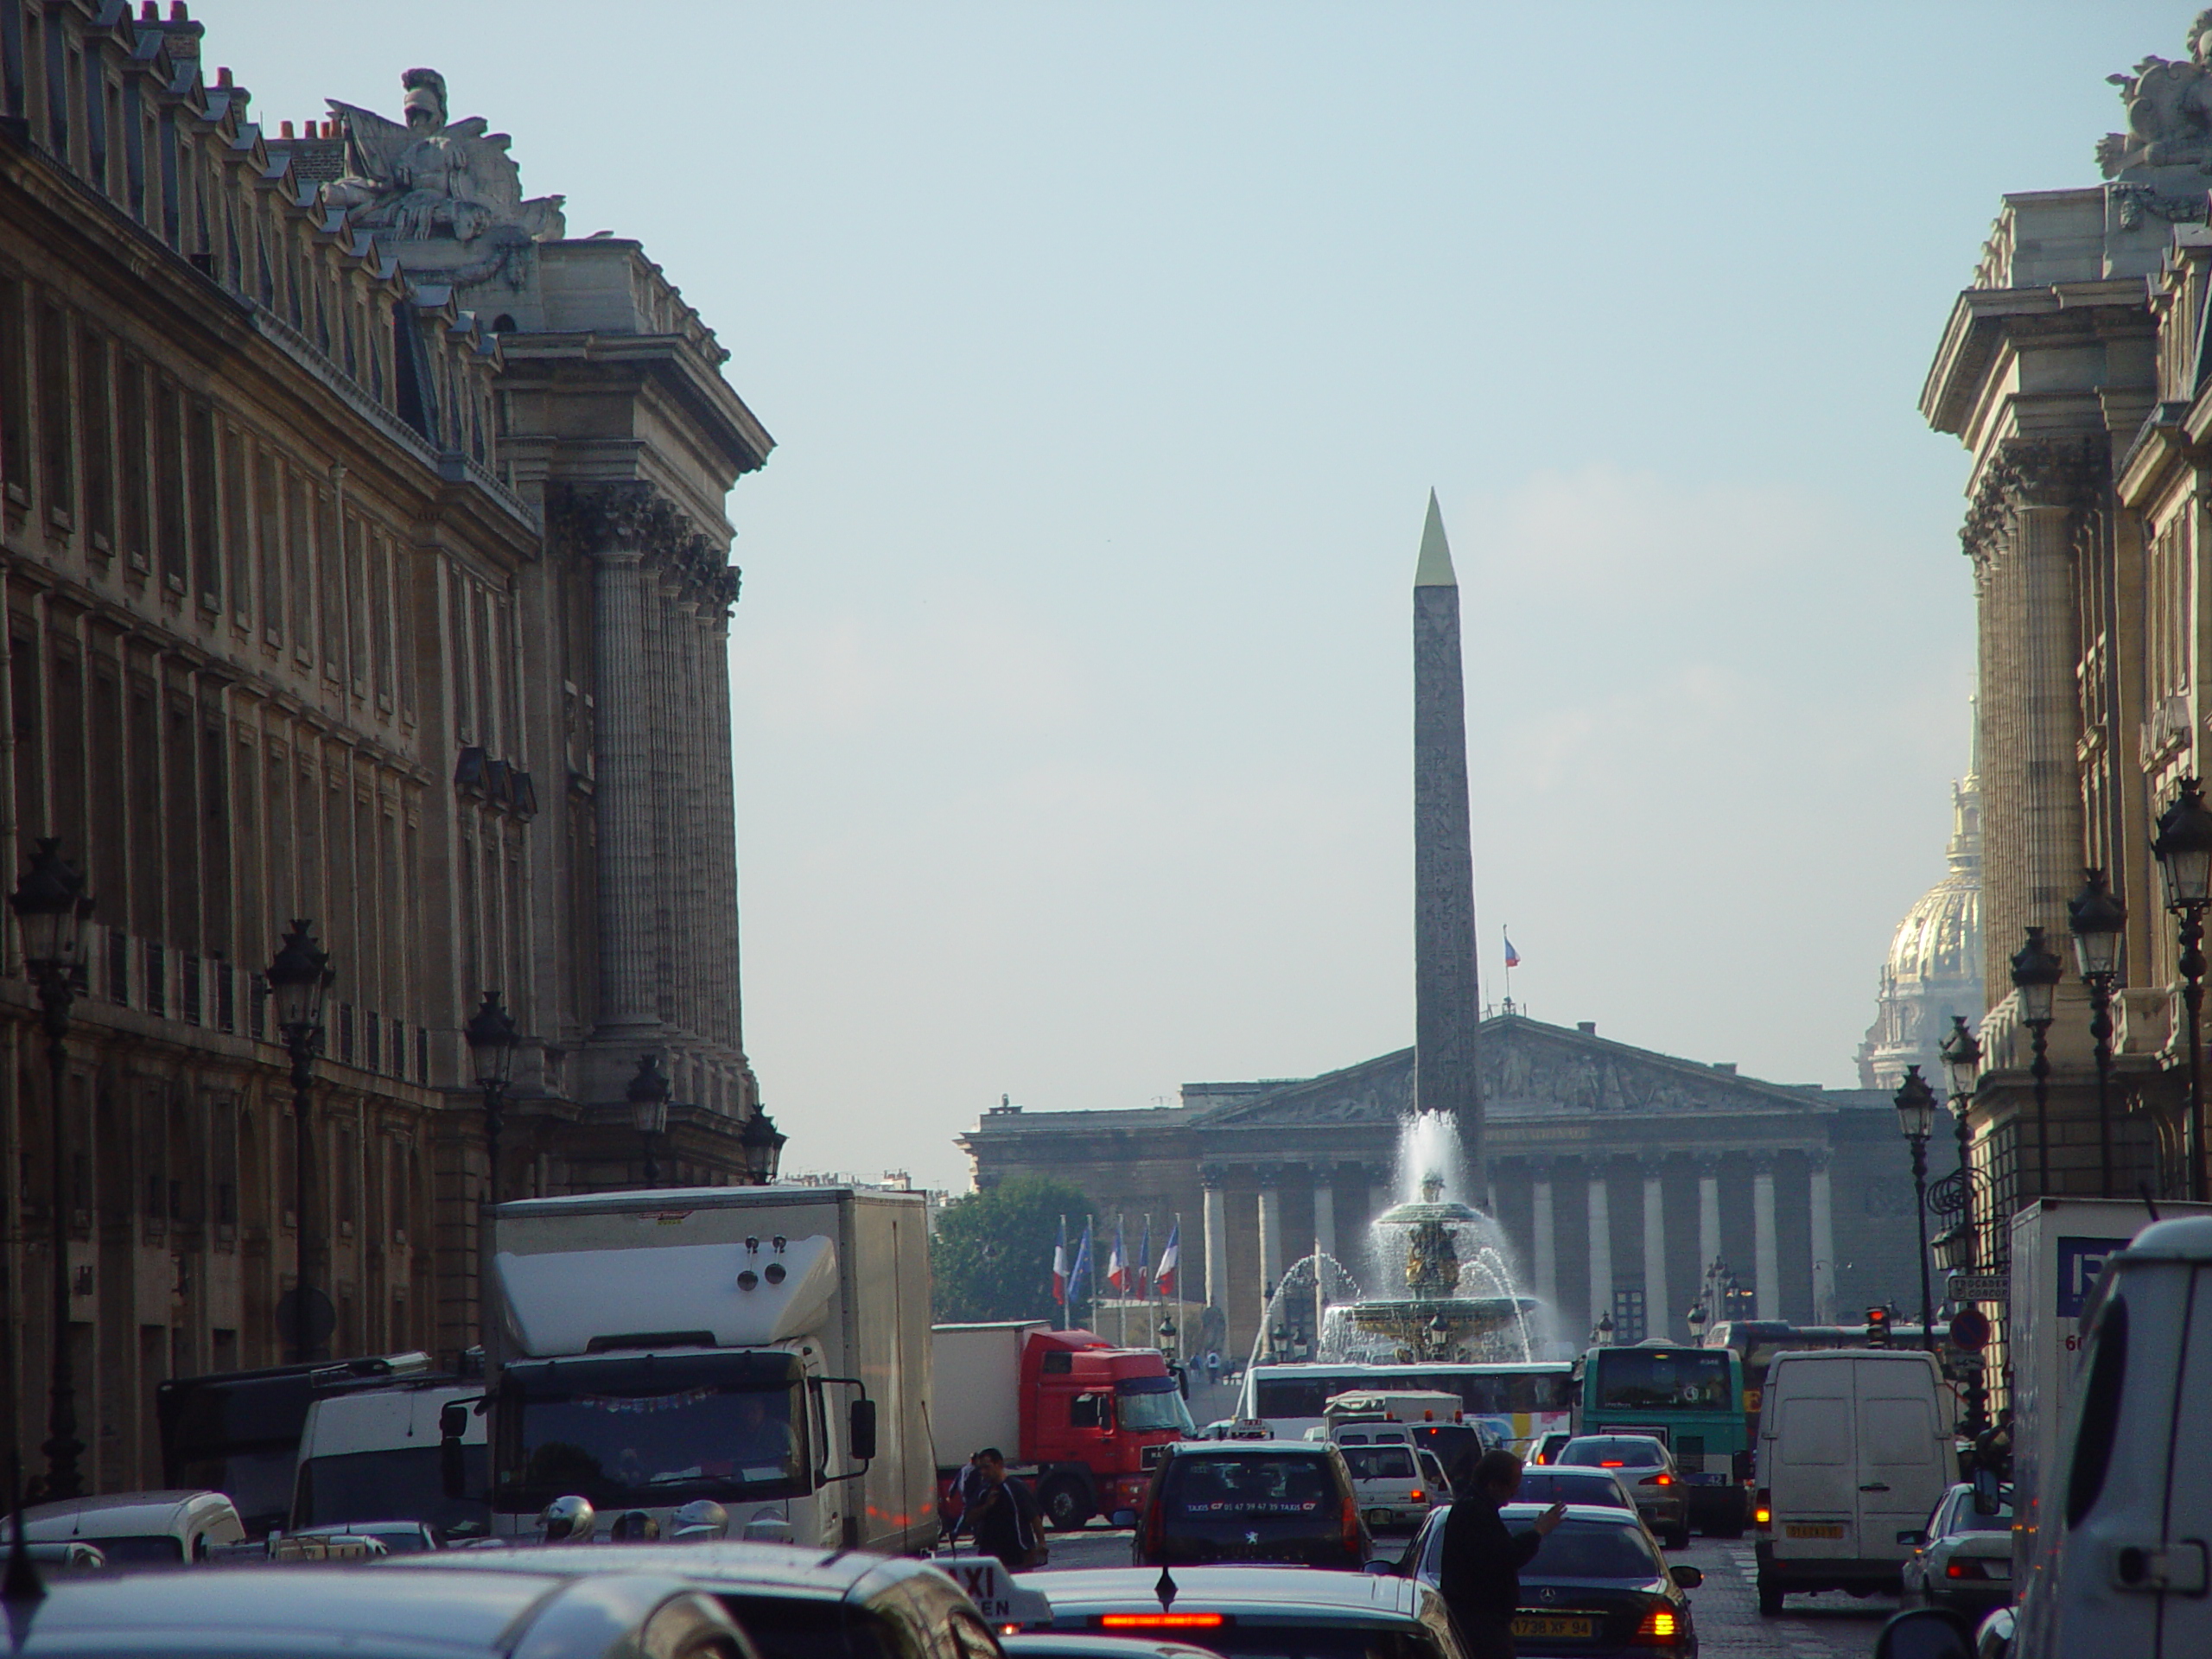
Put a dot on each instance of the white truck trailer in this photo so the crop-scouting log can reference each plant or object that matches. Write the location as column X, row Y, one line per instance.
column 766, row 1348
column 2059, row 1249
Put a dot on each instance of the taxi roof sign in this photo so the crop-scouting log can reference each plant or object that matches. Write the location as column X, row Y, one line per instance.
column 1001, row 1600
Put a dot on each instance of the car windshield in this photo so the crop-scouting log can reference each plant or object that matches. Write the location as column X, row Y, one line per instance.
column 1591, row 1549
column 1155, row 1409
column 1555, row 1485
column 1623, row 1451
column 140, row 1550
column 1242, row 1489
column 1379, row 1462
column 1968, row 1520
column 1640, row 1379
column 391, row 1485
column 653, row 1433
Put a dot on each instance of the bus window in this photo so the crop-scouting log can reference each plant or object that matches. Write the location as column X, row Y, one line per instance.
column 1635, row 1379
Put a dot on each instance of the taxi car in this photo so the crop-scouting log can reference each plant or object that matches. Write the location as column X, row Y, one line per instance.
column 321, row 1612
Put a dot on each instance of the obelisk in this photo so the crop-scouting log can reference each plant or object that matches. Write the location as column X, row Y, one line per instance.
column 1446, row 1003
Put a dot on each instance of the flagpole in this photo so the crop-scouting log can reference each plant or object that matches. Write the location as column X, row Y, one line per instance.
column 1120, row 1296
column 1067, row 1290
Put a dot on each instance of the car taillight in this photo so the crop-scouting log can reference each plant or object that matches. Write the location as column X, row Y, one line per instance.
column 1661, row 1628
column 1161, row 1621
column 1656, row 1480
column 1968, row 1568
column 1155, row 1529
column 1351, row 1524
column 1612, row 1463
column 1762, row 1512
column 1417, row 1496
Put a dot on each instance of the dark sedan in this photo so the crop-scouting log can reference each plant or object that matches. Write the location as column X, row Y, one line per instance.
column 1287, row 1501
column 1598, row 1586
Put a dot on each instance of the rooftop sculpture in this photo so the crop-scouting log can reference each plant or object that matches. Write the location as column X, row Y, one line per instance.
column 427, row 181
column 2168, row 111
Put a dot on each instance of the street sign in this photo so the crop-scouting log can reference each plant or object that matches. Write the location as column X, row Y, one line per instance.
column 1970, row 1330
column 1980, row 1286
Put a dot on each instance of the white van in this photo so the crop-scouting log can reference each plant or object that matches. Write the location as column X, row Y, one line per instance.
column 1854, row 1448
column 2120, row 1563
column 1386, row 1477
column 139, row 1528
column 374, row 1455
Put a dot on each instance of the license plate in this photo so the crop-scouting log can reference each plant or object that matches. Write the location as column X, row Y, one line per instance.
column 1547, row 1624
column 1813, row 1529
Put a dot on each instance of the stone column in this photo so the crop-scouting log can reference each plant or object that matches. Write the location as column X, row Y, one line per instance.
column 1270, row 1245
column 1823, row 1219
column 1211, row 1178
column 1658, row 1305
column 1708, row 1217
column 613, row 523
column 1601, row 1244
column 1544, row 1245
column 1324, row 1210
column 1767, row 1263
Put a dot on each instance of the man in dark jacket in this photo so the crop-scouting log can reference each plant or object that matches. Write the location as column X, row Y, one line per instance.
column 1480, row 1572
column 1004, row 1520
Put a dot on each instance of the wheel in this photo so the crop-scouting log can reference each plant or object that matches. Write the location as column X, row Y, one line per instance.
column 1067, row 1504
column 1769, row 1596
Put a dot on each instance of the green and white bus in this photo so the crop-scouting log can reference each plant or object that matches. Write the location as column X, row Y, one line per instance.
column 1692, row 1399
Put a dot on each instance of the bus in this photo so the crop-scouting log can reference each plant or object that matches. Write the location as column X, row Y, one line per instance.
column 1692, row 1399
column 1513, row 1405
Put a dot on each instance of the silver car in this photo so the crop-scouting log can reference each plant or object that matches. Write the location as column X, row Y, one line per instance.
column 1646, row 1468
column 1960, row 1559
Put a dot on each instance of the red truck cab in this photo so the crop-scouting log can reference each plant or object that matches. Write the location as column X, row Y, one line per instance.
column 1081, row 1418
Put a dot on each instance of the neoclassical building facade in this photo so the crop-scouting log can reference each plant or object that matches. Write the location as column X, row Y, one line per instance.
column 1618, row 1176
column 365, row 560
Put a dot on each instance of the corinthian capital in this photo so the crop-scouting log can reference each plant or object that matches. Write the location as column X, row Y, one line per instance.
column 2068, row 473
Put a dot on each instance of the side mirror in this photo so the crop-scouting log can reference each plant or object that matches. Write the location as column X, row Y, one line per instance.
column 859, row 1430
column 1926, row 1633
column 1381, row 1569
column 1125, row 1518
column 1687, row 1577
column 1912, row 1537
column 1988, row 1492
column 453, row 1471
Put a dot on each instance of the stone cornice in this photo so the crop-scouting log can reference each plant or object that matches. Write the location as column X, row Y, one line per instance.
column 1983, row 320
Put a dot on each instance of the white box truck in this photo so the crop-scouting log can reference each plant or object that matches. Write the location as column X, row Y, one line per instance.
column 2059, row 1247
column 764, row 1348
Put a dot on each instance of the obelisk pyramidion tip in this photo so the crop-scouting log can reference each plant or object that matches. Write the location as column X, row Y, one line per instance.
column 1434, row 569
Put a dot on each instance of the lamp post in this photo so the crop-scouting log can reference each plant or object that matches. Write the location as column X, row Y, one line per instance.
column 1916, row 1104
column 2184, row 852
column 1602, row 1336
column 2036, row 973
column 51, row 904
column 2097, row 918
column 1167, row 1336
column 1962, row 1066
column 763, row 1147
column 1695, row 1319
column 298, row 979
column 492, row 1039
column 648, row 1094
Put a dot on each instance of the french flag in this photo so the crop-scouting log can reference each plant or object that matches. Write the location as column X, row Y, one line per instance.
column 1512, row 956
column 1117, row 1265
column 1060, row 1265
column 1170, row 1259
column 1144, row 1261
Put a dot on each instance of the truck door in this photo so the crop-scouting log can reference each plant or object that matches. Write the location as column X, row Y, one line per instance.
column 1899, row 1465
column 1812, row 1471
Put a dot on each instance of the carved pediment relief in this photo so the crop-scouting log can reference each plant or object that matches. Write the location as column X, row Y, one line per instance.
column 1528, row 1070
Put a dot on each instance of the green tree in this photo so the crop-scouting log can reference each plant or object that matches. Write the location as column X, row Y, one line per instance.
column 992, row 1258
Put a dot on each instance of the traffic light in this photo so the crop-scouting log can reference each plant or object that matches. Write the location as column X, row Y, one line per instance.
column 1877, row 1327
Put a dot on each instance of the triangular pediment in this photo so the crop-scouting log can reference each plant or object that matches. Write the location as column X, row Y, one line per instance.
column 1528, row 1070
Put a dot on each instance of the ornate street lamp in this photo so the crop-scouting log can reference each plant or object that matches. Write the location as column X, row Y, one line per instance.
column 1602, row 1337
column 2184, row 852
column 1167, row 1335
column 1696, row 1320
column 51, row 905
column 2098, row 919
column 763, row 1147
column 648, row 1095
column 1962, row 1066
column 2036, row 973
column 299, row 979
column 1916, row 1104
column 492, row 1039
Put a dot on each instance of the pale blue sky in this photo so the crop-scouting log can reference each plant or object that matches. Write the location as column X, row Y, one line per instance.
column 1112, row 350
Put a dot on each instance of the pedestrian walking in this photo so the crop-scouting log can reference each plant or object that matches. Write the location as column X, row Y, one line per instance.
column 1213, row 1366
column 1480, row 1573
column 1004, row 1520
column 960, row 1505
